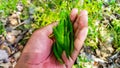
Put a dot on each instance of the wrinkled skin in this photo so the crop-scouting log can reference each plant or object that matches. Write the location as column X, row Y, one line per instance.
column 38, row 50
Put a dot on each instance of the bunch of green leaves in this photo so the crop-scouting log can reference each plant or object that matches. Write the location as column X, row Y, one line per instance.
column 63, row 33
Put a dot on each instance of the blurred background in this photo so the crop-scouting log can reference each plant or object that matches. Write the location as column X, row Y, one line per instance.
column 20, row 18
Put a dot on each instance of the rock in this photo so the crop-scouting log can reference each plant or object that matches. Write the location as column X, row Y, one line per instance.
column 3, row 56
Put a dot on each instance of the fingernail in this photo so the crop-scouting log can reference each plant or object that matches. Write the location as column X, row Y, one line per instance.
column 83, row 12
column 74, row 11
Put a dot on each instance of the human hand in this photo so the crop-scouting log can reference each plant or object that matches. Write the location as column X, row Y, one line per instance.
column 38, row 50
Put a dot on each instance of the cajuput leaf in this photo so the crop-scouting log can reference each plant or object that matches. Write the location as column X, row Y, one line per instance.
column 64, row 36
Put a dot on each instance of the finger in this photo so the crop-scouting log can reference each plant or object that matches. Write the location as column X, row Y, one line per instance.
column 76, row 24
column 64, row 57
column 79, row 42
column 68, row 62
column 73, row 14
column 81, row 34
column 80, row 19
column 47, row 30
column 81, row 22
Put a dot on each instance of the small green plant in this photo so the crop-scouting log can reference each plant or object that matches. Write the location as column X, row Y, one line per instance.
column 81, row 60
column 114, row 25
column 48, row 11
column 94, row 9
column 115, row 28
column 8, row 6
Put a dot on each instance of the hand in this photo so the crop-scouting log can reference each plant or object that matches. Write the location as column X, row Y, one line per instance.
column 38, row 50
